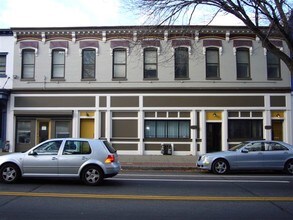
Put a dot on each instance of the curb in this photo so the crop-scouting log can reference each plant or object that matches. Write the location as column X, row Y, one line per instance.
column 133, row 168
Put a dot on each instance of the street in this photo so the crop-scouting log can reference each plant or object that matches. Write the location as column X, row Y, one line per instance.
column 153, row 195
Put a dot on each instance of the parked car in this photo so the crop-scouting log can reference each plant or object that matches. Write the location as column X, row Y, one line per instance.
column 250, row 155
column 88, row 159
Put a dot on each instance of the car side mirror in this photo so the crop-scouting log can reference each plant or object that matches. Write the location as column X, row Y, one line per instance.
column 244, row 151
column 32, row 153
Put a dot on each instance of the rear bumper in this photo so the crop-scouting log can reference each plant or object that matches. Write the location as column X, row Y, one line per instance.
column 112, row 170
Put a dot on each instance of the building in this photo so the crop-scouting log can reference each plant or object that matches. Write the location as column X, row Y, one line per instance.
column 197, row 88
column 6, row 75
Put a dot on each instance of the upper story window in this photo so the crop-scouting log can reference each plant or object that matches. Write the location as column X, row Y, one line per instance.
column 119, row 63
column 28, row 64
column 58, row 64
column 273, row 66
column 3, row 64
column 88, row 63
column 150, row 63
column 181, row 63
column 243, row 63
column 212, row 63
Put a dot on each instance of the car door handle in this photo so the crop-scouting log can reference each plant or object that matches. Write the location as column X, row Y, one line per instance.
column 54, row 158
column 84, row 158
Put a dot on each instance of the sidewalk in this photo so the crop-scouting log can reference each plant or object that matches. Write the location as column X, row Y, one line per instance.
column 157, row 162
column 154, row 162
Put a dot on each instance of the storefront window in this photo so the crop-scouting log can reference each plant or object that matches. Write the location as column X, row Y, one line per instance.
column 167, row 129
column 245, row 129
column 23, row 132
column 62, row 129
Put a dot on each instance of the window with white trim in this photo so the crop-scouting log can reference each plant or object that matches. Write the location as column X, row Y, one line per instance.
column 119, row 63
column 3, row 64
column 243, row 63
column 212, row 63
column 58, row 64
column 150, row 63
column 273, row 66
column 28, row 64
column 88, row 63
column 179, row 129
column 181, row 63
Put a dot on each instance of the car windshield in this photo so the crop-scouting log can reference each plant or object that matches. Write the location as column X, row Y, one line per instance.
column 238, row 146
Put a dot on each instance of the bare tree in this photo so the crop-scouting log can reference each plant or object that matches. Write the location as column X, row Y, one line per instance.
column 275, row 15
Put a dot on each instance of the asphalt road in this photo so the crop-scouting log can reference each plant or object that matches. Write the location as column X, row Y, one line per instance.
column 152, row 195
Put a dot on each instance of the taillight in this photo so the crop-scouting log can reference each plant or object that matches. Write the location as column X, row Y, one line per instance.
column 110, row 159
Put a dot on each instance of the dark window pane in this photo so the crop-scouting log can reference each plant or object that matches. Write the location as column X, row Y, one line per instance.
column 243, row 65
column 181, row 63
column 88, row 63
column 2, row 64
column 273, row 66
column 241, row 129
column 212, row 63
column 150, row 63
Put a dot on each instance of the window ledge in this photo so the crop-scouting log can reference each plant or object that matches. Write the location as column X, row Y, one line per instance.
column 213, row 78
column 119, row 79
column 57, row 80
column 147, row 79
column 23, row 79
column 182, row 78
column 244, row 78
column 88, row 79
column 275, row 79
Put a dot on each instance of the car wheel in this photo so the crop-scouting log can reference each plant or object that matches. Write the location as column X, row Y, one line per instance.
column 220, row 166
column 289, row 167
column 92, row 175
column 9, row 173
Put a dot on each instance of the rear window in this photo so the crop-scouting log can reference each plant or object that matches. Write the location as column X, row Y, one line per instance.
column 109, row 147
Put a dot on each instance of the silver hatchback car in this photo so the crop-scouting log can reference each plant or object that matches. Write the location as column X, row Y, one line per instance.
column 88, row 159
column 250, row 155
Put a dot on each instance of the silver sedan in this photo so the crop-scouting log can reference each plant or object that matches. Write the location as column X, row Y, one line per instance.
column 250, row 155
column 88, row 159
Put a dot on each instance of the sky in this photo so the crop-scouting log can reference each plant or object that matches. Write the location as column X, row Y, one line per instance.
column 79, row 13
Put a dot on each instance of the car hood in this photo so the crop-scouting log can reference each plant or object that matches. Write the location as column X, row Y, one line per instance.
column 220, row 153
column 11, row 157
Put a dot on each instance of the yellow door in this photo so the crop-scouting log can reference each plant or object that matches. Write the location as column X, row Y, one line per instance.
column 87, row 128
column 277, row 130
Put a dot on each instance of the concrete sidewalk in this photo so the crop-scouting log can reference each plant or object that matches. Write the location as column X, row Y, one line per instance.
column 157, row 162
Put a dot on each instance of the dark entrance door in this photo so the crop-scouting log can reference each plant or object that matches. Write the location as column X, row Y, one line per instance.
column 214, row 137
column 43, row 131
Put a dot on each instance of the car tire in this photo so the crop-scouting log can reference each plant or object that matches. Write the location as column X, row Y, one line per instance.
column 9, row 173
column 92, row 175
column 220, row 166
column 289, row 167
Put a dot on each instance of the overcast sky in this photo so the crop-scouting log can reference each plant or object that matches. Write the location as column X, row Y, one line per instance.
column 70, row 13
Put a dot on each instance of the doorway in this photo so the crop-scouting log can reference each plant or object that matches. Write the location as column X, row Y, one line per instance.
column 214, row 137
column 43, row 131
column 277, row 130
column 87, row 128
